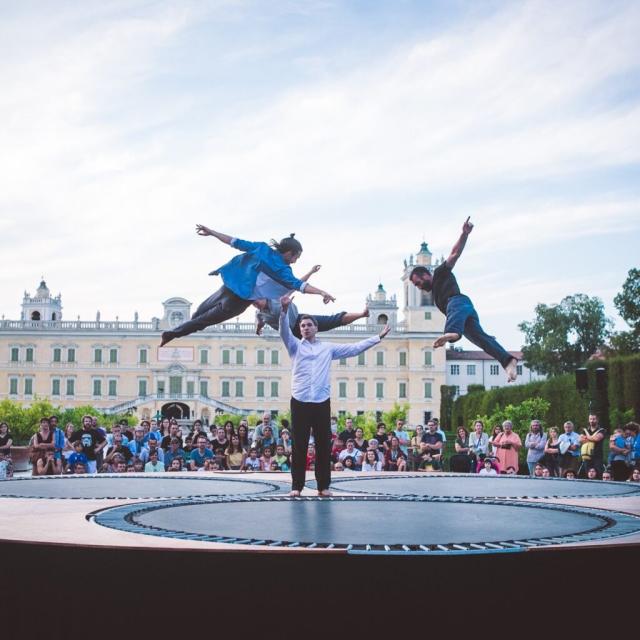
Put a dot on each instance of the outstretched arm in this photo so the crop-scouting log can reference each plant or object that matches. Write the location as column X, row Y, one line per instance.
column 456, row 252
column 201, row 230
column 314, row 269
column 290, row 341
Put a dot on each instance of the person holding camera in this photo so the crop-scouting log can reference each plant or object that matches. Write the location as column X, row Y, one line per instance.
column 507, row 444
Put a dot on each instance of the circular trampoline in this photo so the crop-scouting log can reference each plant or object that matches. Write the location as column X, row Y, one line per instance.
column 371, row 524
column 476, row 486
column 131, row 487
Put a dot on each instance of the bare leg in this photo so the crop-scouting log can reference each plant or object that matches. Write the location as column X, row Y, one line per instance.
column 444, row 338
column 348, row 317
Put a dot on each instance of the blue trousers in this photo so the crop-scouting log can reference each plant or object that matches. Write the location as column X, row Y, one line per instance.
column 462, row 318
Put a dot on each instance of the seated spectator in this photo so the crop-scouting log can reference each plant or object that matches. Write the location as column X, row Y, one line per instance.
column 235, row 454
column 432, row 447
column 154, row 465
column 360, row 443
column 348, row 464
column 77, row 456
column 48, row 465
column 351, row 452
column 511, row 471
column 592, row 473
column 165, row 443
column 374, row 445
column 252, row 463
column 569, row 474
column 266, row 457
column 338, row 466
column 381, row 436
column 282, row 459
column 176, row 464
column 119, row 447
column 174, row 452
column 464, row 459
column 137, row 444
column 311, row 457
column 79, row 468
column 200, row 454
column 336, row 448
column 394, row 457
column 120, row 467
column 371, row 462
column 606, row 475
column 243, row 434
column 105, row 467
column 188, row 445
column 274, row 466
column 537, row 470
column 152, row 447
column 259, row 433
column 6, row 439
column 487, row 469
column 546, row 473
column 635, row 476
column 116, row 430
column 6, row 467
column 285, row 441
column 213, row 464
column 496, row 465
column 154, row 432
column 219, row 444
column 265, row 439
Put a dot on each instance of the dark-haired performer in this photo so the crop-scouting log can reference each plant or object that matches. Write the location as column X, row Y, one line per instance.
column 462, row 318
column 244, row 277
column 310, row 392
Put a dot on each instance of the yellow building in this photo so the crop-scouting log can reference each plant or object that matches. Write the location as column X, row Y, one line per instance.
column 117, row 366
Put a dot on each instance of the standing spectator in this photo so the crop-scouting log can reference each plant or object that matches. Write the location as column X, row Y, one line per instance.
column 463, row 460
column 154, row 465
column 68, row 445
column 508, row 444
column 198, row 430
column 497, row 430
column 551, row 457
column 200, row 454
column 591, row 449
column 6, row 441
column 619, row 454
column 479, row 441
column 534, row 443
column 404, row 437
column 219, row 443
column 58, row 439
column 371, row 462
column 116, row 430
column 382, row 437
column 42, row 441
column 175, row 452
column 432, row 447
column 634, row 427
column 569, row 446
column 266, row 439
column 413, row 460
column 266, row 422
column 349, row 432
column 165, row 443
column 235, row 454
column 359, row 441
column 394, row 457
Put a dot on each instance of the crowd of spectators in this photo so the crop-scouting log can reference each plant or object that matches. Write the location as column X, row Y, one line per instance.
column 153, row 447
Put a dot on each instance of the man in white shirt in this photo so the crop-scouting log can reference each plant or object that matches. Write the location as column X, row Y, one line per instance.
column 310, row 394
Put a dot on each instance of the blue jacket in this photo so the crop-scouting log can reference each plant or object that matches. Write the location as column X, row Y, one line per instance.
column 240, row 273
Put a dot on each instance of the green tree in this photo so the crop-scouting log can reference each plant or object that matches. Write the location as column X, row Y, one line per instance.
column 563, row 336
column 628, row 305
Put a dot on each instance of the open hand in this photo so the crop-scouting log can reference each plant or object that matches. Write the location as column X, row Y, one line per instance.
column 327, row 298
column 384, row 331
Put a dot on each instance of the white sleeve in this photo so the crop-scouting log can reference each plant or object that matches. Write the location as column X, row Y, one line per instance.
column 290, row 341
column 349, row 350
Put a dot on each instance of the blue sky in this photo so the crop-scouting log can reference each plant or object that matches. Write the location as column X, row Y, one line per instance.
column 365, row 127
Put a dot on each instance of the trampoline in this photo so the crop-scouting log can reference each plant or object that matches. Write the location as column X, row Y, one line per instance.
column 129, row 486
column 476, row 486
column 367, row 524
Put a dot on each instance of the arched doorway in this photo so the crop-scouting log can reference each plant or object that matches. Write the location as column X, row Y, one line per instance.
column 177, row 410
column 35, row 315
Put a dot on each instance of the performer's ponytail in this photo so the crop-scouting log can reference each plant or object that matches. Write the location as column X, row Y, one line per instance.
column 287, row 244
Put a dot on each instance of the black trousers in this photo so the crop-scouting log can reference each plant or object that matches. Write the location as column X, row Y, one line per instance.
column 304, row 417
column 222, row 305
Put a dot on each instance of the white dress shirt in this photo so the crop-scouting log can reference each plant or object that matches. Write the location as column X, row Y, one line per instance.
column 311, row 362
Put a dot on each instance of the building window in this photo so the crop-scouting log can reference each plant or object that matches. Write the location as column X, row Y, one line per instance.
column 427, row 315
column 71, row 354
column 260, row 389
column 379, row 390
column 29, row 354
column 402, row 390
column 15, row 354
column 225, row 389
column 28, row 386
column 55, row 387
column 402, row 358
column 239, row 357
column 226, row 356
column 97, row 387
column 204, row 356
column 71, row 387
column 379, row 358
column 428, row 361
column 471, row 369
column 57, row 354
column 360, row 393
column 274, row 389
column 97, row 355
column 454, row 369
column 142, row 388
column 113, row 356
column 342, row 389
column 113, row 388
column 427, row 390
column 190, row 388
column 239, row 388
column 143, row 356
column 13, row 386
column 361, row 360
column 260, row 357
column 494, row 369
column 204, row 388
column 519, row 369
column 456, row 390
column 275, row 357
column 342, row 361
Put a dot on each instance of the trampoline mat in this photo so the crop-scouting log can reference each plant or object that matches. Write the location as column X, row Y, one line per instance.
column 475, row 486
column 367, row 522
column 126, row 486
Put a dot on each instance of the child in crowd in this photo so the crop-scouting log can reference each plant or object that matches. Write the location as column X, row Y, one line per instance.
column 252, row 463
column 76, row 457
column 281, row 459
column 488, row 469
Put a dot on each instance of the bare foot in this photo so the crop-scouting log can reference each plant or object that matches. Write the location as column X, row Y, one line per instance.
column 259, row 325
column 366, row 313
column 167, row 336
column 444, row 338
column 512, row 370
column 294, row 494
column 325, row 493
